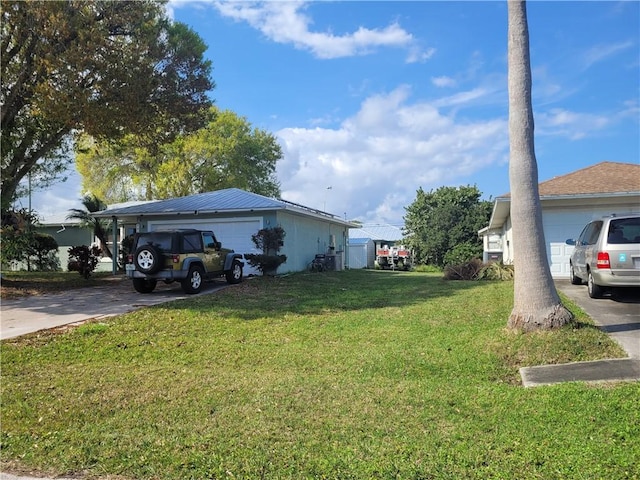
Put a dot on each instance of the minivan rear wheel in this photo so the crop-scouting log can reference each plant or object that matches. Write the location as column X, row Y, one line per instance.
column 595, row 291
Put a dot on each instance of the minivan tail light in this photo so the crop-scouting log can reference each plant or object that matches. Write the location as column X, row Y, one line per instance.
column 603, row 260
column 175, row 258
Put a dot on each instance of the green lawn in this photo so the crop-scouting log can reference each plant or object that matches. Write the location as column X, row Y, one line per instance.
column 357, row 374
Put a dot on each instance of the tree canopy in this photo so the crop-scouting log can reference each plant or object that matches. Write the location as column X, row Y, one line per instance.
column 227, row 152
column 105, row 68
column 442, row 226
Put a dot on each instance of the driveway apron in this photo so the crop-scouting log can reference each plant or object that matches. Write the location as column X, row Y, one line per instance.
column 31, row 314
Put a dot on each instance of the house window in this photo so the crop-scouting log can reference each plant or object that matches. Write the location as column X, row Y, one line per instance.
column 495, row 242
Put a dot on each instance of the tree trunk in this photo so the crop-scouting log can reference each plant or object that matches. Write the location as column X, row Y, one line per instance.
column 536, row 301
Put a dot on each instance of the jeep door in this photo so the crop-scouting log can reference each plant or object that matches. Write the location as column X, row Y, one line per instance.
column 213, row 258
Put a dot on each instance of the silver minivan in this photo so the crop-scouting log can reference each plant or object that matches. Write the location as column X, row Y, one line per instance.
column 607, row 254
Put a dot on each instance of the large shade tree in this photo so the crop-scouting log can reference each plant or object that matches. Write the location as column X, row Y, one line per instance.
column 226, row 152
column 536, row 301
column 441, row 226
column 102, row 67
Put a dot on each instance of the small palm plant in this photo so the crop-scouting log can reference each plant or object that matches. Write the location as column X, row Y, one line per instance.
column 100, row 227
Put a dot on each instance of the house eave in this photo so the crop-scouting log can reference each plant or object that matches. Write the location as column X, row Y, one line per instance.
column 133, row 216
column 502, row 205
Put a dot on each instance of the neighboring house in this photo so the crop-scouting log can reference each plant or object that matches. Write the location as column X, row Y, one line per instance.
column 568, row 203
column 235, row 215
column 365, row 240
column 67, row 233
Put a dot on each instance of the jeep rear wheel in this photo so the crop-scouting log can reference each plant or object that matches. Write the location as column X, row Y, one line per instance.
column 235, row 274
column 144, row 285
column 193, row 283
column 147, row 259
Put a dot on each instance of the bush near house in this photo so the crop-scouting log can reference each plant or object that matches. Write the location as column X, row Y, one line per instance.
column 474, row 269
column 269, row 240
column 83, row 259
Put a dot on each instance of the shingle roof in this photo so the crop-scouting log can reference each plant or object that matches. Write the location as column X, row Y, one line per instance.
column 604, row 177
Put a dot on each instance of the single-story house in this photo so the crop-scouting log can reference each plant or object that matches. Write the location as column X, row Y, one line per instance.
column 66, row 232
column 568, row 203
column 367, row 239
column 235, row 215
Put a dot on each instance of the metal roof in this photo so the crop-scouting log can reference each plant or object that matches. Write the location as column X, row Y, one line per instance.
column 359, row 241
column 377, row 232
column 230, row 200
column 58, row 219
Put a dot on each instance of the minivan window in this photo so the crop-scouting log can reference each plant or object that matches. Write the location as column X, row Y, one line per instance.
column 589, row 235
column 592, row 238
column 625, row 230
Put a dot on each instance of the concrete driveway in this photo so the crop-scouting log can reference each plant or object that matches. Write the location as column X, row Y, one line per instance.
column 34, row 313
column 618, row 313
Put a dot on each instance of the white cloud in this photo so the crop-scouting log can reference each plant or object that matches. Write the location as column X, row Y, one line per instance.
column 443, row 81
column 602, row 52
column 573, row 125
column 377, row 159
column 462, row 97
column 283, row 22
column 57, row 199
column 416, row 55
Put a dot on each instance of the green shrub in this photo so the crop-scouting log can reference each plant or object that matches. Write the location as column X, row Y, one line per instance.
column 83, row 259
column 269, row 240
column 265, row 263
column 43, row 252
column 462, row 253
column 18, row 234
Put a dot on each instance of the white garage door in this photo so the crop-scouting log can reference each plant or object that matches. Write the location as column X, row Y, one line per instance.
column 232, row 232
column 562, row 224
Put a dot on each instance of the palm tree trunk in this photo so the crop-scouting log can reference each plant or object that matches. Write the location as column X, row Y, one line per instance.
column 536, row 301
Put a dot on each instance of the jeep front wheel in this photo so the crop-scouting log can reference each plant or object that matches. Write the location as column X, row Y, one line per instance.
column 147, row 259
column 144, row 285
column 235, row 274
column 193, row 283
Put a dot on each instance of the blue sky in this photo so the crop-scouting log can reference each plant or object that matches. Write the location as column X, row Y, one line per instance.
column 377, row 99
